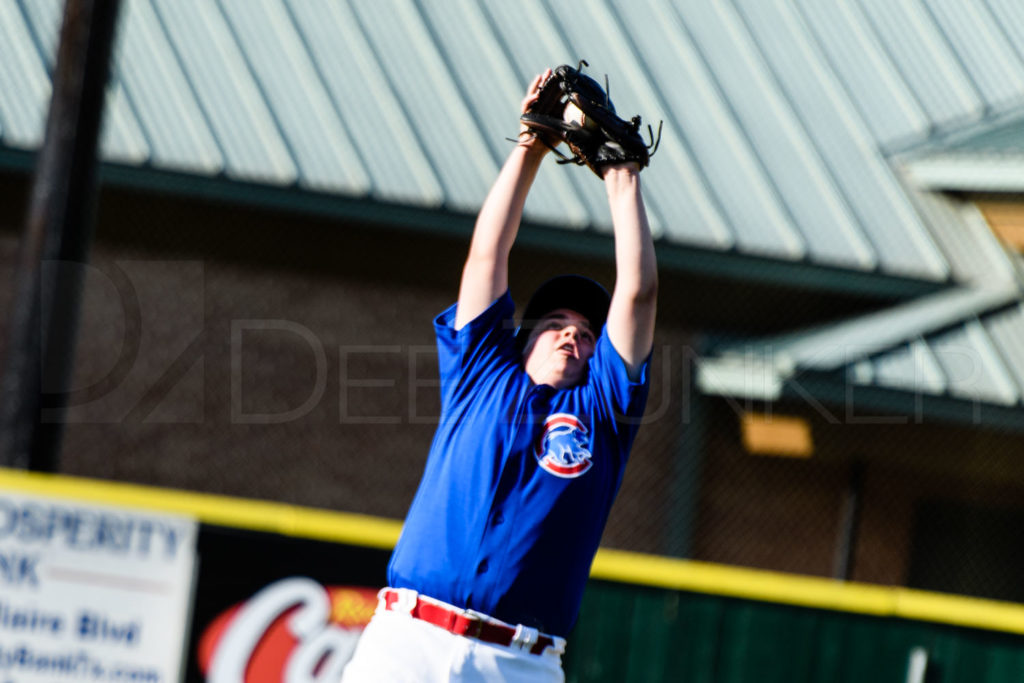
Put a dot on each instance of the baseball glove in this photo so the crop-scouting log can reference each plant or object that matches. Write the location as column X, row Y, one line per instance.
column 571, row 107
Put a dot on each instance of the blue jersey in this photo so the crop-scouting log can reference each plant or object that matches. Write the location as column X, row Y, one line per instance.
column 520, row 477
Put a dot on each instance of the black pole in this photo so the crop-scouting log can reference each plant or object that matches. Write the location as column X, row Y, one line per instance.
column 849, row 523
column 55, row 245
column 688, row 464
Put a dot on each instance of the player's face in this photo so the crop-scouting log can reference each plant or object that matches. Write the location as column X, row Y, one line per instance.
column 558, row 349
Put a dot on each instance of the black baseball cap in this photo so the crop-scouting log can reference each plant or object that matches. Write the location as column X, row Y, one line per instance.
column 575, row 292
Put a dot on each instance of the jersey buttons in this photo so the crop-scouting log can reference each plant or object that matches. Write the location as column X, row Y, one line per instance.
column 482, row 567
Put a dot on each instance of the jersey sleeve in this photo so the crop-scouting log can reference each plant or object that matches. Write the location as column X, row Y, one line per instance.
column 479, row 350
column 624, row 398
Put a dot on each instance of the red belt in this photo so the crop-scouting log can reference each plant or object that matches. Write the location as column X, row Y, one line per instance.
column 463, row 623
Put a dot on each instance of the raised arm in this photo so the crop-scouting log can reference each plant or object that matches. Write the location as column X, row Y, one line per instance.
column 485, row 274
column 631, row 316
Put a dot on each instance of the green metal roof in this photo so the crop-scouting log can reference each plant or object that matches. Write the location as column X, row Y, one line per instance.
column 958, row 352
column 801, row 138
column 986, row 160
column 781, row 119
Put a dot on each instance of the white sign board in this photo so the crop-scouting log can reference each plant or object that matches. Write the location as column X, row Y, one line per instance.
column 92, row 592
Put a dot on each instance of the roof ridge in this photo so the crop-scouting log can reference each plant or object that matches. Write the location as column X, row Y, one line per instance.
column 837, row 344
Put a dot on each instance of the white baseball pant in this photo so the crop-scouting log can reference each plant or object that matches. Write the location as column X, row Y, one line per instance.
column 396, row 648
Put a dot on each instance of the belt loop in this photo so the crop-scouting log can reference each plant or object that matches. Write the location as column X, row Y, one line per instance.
column 525, row 637
column 405, row 601
column 382, row 599
column 477, row 620
column 474, row 622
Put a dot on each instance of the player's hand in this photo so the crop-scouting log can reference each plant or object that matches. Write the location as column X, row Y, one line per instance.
column 527, row 137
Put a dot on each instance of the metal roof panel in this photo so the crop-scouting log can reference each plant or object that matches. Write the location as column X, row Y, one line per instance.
column 44, row 18
column 533, row 44
column 492, row 88
column 921, row 53
column 964, row 344
column 24, row 83
column 835, row 345
column 169, row 115
column 779, row 116
column 711, row 135
column 973, row 366
column 983, row 49
column 967, row 173
column 858, row 58
column 230, row 98
column 416, row 69
column 677, row 192
column 902, row 241
column 1006, row 329
column 1009, row 17
column 776, row 135
column 121, row 138
column 287, row 77
column 982, row 158
column 913, row 365
column 371, row 111
column 975, row 253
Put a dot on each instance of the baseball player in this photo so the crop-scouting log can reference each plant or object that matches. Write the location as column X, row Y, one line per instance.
column 536, row 426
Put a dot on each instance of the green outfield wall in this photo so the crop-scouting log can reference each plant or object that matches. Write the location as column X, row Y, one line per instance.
column 630, row 632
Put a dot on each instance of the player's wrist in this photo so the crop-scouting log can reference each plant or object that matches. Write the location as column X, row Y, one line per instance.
column 628, row 168
column 620, row 178
column 532, row 149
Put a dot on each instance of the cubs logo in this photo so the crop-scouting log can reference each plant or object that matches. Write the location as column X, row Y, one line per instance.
column 562, row 446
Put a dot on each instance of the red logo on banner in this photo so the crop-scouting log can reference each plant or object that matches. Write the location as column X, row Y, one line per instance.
column 292, row 631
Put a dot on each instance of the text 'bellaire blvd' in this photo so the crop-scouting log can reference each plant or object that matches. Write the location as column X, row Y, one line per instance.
column 85, row 625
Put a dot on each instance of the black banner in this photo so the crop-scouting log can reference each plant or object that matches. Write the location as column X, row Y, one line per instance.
column 266, row 604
